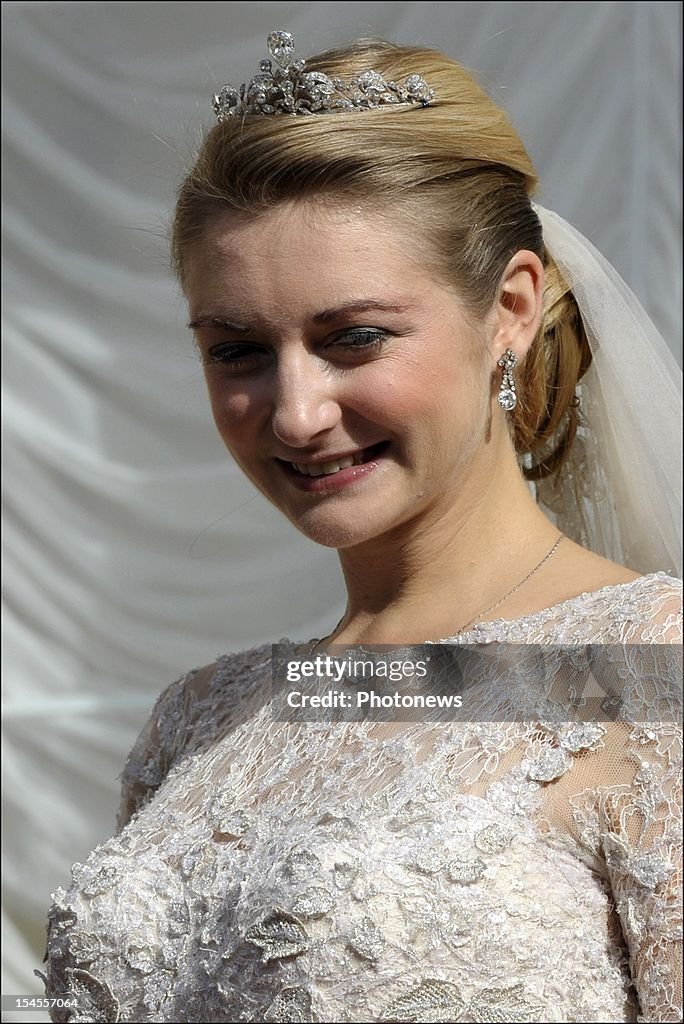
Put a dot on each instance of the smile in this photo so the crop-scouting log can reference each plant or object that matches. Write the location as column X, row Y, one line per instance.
column 333, row 466
column 335, row 472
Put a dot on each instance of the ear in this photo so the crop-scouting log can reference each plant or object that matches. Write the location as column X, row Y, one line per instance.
column 518, row 309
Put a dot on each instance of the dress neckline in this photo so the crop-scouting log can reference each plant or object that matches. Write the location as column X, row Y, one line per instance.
column 533, row 618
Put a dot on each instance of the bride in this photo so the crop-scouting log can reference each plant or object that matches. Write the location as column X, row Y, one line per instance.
column 447, row 384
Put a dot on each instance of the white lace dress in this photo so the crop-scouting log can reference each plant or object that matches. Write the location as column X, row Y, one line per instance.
column 484, row 871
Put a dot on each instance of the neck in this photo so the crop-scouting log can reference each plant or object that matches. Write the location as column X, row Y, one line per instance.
column 429, row 577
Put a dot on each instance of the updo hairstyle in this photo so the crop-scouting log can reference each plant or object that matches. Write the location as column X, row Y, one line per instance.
column 456, row 171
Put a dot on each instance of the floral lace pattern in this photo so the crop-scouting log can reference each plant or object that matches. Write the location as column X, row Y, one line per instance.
column 481, row 871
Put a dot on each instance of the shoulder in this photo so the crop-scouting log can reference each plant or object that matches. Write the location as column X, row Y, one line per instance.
column 650, row 609
column 188, row 715
column 628, row 606
column 643, row 610
column 212, row 697
column 229, row 676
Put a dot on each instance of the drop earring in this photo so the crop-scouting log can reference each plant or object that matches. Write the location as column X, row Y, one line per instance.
column 507, row 398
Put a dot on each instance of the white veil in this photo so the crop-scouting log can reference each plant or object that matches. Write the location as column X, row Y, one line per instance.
column 620, row 492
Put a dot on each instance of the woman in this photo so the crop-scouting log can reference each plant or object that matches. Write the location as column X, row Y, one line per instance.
column 386, row 341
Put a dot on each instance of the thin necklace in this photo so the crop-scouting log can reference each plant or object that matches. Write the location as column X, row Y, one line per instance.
column 479, row 615
column 513, row 590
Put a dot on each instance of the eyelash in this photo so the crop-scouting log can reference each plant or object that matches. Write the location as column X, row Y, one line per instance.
column 234, row 356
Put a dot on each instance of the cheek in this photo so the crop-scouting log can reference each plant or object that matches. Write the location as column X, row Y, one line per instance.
column 237, row 412
column 424, row 392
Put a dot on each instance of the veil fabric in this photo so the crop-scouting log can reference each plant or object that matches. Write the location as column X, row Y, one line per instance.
column 620, row 491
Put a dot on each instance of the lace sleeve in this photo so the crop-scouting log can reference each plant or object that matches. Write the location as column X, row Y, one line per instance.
column 160, row 743
column 187, row 716
column 642, row 825
column 640, row 828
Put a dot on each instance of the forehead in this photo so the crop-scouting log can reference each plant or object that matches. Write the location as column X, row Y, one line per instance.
column 314, row 220
column 322, row 248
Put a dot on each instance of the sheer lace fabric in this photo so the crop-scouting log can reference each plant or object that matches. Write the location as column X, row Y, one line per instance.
column 484, row 871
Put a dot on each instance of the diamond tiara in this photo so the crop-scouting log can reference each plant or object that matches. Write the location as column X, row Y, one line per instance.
column 289, row 89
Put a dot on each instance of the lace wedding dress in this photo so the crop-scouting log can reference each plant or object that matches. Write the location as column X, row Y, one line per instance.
column 481, row 871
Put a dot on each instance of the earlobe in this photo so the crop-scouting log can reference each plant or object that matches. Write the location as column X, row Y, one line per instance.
column 519, row 306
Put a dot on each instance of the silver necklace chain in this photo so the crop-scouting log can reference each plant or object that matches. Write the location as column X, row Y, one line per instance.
column 501, row 600
column 490, row 608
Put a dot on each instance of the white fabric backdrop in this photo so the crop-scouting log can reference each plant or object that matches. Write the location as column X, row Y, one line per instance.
column 134, row 550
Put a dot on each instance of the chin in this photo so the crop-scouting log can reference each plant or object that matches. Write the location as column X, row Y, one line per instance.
column 351, row 529
column 344, row 530
column 334, row 535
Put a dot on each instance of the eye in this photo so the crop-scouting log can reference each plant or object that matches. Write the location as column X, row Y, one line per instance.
column 236, row 357
column 362, row 341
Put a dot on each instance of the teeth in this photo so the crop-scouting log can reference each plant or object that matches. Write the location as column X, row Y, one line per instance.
column 324, row 468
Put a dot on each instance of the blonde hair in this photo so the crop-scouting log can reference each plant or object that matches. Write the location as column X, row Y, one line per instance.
column 459, row 173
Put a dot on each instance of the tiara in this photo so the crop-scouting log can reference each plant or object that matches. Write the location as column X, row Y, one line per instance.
column 289, row 89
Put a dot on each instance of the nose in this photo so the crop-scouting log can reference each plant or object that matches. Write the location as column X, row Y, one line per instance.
column 305, row 404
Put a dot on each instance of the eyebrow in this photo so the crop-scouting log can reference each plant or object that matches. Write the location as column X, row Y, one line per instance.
column 325, row 316
column 216, row 321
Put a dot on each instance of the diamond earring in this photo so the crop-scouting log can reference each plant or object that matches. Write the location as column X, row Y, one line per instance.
column 507, row 398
